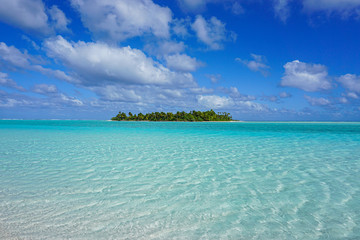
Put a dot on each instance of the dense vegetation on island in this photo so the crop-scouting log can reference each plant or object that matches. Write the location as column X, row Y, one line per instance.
column 193, row 116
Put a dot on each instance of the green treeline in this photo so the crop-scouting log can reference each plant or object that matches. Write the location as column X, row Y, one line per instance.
column 193, row 116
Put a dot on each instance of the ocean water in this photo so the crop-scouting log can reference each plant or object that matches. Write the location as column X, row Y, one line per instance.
column 164, row 180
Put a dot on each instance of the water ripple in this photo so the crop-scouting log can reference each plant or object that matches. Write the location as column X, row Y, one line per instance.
column 96, row 180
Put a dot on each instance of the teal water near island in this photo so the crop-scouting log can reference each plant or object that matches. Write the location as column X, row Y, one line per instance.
column 179, row 180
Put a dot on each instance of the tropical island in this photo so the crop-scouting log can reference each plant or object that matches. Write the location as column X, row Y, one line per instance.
column 192, row 116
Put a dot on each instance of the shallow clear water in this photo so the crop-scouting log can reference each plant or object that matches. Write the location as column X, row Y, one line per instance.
column 162, row 180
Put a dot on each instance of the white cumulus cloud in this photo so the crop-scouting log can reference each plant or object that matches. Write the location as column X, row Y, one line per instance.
column 214, row 78
column 352, row 95
column 31, row 42
column 182, row 63
column 99, row 63
column 163, row 48
column 25, row 14
column 59, row 19
column 180, row 26
column 214, row 101
column 308, row 77
column 211, row 32
column 236, row 95
column 317, row 101
column 32, row 16
column 230, row 102
column 237, row 9
column 258, row 64
column 70, row 100
column 253, row 106
column 14, row 60
column 45, row 88
column 351, row 82
column 343, row 100
column 58, row 100
column 124, row 19
column 282, row 9
column 7, row 82
column 284, row 95
column 118, row 93
column 342, row 7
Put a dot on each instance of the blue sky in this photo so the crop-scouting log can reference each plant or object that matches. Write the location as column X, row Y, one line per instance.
column 257, row 59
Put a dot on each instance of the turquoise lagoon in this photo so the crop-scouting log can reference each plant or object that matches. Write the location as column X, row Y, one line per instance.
column 165, row 180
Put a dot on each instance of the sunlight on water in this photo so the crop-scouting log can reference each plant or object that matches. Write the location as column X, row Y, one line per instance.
column 141, row 180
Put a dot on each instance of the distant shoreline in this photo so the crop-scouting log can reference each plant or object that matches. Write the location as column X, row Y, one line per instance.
column 233, row 121
column 167, row 121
